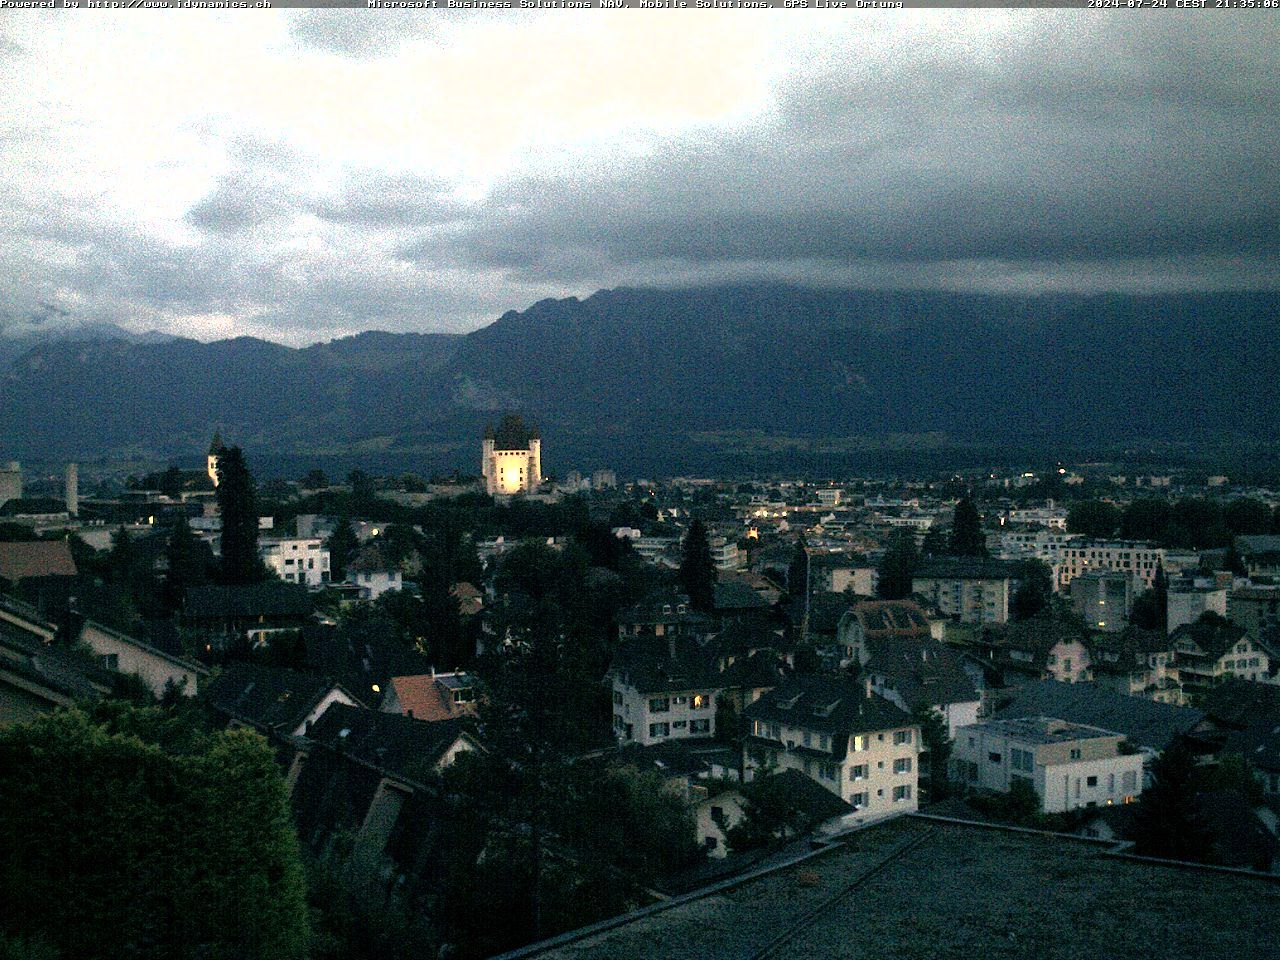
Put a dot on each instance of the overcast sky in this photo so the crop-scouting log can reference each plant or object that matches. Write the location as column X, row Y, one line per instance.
column 303, row 175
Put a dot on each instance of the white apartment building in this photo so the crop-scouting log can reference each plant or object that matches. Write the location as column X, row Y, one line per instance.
column 1192, row 597
column 967, row 589
column 302, row 560
column 725, row 554
column 1103, row 599
column 851, row 741
column 1068, row 765
column 1070, row 555
column 662, row 691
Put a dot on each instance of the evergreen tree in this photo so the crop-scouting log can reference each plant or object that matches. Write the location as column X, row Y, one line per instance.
column 1035, row 588
column 935, row 543
column 238, row 507
column 936, row 751
column 898, row 567
column 967, row 539
column 798, row 572
column 697, row 569
column 189, row 559
column 342, row 546
column 1168, row 823
column 1160, row 598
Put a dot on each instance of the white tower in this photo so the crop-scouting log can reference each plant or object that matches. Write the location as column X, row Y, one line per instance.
column 73, row 489
column 216, row 447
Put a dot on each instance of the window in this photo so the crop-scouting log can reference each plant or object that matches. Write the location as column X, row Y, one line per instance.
column 859, row 743
column 659, row 705
column 858, row 800
column 828, row 771
column 901, row 793
column 807, row 739
column 902, row 765
column 701, row 701
column 699, row 726
column 111, row 661
column 1022, row 760
column 1075, row 753
column 858, row 772
column 679, row 724
column 995, row 758
column 1091, row 781
column 1129, row 781
column 901, row 737
column 680, row 700
column 659, row 729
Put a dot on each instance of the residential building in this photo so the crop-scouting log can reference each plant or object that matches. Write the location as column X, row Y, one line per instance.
column 878, row 619
column 1135, row 662
column 1210, row 650
column 720, row 812
column 1248, row 718
column 1148, row 724
column 1191, row 597
column 663, row 614
column 1137, row 558
column 254, row 612
column 1256, row 609
column 1036, row 649
column 433, row 696
column 842, row 572
column 921, row 674
column 373, row 573
column 511, row 458
column 28, row 560
column 1068, row 765
column 1103, row 599
column 725, row 554
column 836, row 731
column 303, row 560
column 1260, row 556
column 278, row 703
column 663, row 689
column 161, row 670
column 968, row 589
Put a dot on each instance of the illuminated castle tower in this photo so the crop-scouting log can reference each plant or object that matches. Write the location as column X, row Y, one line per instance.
column 511, row 461
column 211, row 461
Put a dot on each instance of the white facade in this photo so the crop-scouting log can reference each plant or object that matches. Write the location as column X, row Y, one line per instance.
column 157, row 669
column 878, row 777
column 1188, row 602
column 648, row 718
column 725, row 554
column 374, row 583
column 969, row 600
column 1068, row 765
column 302, row 560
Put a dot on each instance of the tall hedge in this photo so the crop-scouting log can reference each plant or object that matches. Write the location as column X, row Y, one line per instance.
column 115, row 847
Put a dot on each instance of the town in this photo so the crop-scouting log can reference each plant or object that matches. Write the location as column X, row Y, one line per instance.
column 498, row 707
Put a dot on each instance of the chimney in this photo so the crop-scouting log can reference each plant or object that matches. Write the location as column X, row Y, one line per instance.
column 866, row 687
column 73, row 489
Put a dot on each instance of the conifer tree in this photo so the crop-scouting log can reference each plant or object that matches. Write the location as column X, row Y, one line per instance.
column 697, row 569
column 898, row 567
column 188, row 561
column 967, row 539
column 238, row 506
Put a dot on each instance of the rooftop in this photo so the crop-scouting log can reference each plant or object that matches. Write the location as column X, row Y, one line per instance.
column 36, row 558
column 1042, row 730
column 910, row 888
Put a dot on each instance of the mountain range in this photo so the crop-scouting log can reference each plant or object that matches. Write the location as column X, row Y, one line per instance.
column 673, row 380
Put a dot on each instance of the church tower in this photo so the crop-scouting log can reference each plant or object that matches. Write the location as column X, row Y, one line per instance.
column 211, row 461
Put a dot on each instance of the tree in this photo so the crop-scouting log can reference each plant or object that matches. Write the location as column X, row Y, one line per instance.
column 363, row 492
column 936, row 543
column 967, row 538
column 1093, row 518
column 315, row 480
column 342, row 546
column 1160, row 598
column 936, row 744
column 189, row 560
column 798, row 571
column 770, row 814
column 1168, row 822
column 898, row 567
column 1245, row 516
column 176, row 842
column 697, row 569
column 238, row 507
column 1035, row 589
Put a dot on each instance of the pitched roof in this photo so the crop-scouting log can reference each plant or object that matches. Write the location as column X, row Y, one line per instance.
column 429, row 697
column 1251, row 714
column 834, row 705
column 36, row 558
column 60, row 674
column 1145, row 722
column 1213, row 637
column 253, row 600
column 371, row 558
column 811, row 798
column 647, row 664
column 387, row 742
column 923, row 672
column 736, row 595
column 902, row 618
column 269, row 698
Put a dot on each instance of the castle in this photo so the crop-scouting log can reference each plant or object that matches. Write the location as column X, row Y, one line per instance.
column 511, row 461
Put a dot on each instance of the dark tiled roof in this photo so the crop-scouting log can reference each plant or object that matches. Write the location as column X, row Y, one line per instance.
column 256, row 600
column 268, row 698
column 809, row 797
column 50, row 667
column 1214, row 638
column 388, row 742
column 828, row 704
column 647, row 664
column 825, row 611
column 1145, row 722
column 1251, row 714
column 922, row 671
column 359, row 662
column 890, row 618
column 736, row 595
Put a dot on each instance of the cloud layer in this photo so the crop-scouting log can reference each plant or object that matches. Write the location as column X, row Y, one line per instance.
column 307, row 174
